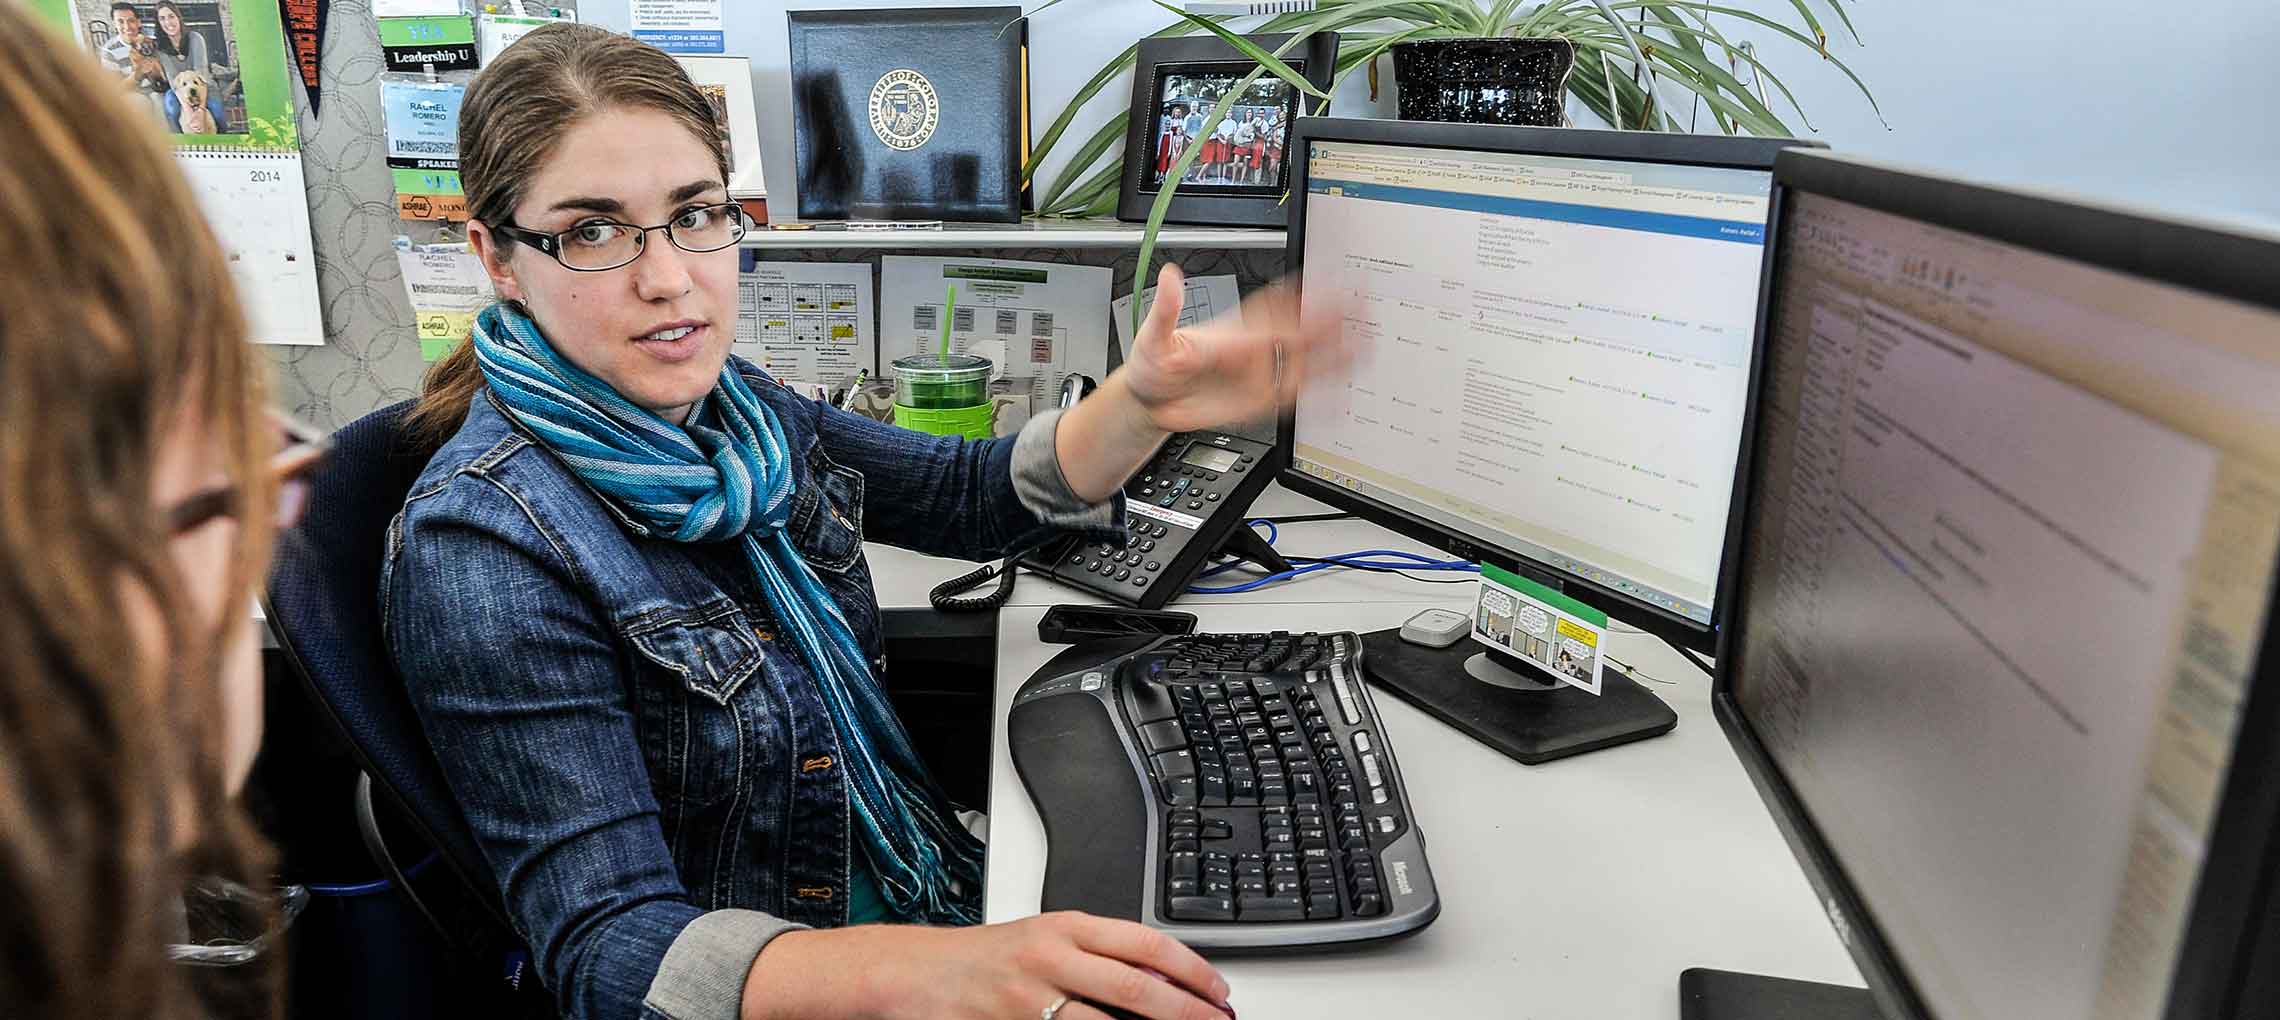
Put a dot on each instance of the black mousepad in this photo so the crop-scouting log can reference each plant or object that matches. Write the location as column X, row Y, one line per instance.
column 1531, row 727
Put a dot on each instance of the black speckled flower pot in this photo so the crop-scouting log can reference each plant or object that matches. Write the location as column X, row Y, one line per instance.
column 1483, row 81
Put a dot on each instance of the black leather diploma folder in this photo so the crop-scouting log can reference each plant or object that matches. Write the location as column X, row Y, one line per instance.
column 910, row 113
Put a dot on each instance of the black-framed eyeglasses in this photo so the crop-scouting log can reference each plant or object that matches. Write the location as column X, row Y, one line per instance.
column 600, row 245
column 299, row 449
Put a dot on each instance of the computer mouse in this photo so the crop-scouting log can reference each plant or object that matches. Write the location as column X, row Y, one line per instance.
column 1119, row 1013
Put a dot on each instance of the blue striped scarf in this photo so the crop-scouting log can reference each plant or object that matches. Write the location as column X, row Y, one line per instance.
column 727, row 476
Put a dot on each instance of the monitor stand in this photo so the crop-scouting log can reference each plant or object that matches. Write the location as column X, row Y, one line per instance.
column 1705, row 994
column 1524, row 713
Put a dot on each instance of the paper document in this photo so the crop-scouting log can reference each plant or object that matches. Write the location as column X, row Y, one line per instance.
column 448, row 286
column 1206, row 299
column 807, row 321
column 1547, row 629
column 1037, row 321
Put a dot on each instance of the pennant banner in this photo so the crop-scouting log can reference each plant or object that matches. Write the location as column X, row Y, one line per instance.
column 305, row 36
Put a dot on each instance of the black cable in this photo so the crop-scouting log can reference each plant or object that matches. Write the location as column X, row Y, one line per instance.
column 1699, row 662
column 946, row 596
column 1467, row 579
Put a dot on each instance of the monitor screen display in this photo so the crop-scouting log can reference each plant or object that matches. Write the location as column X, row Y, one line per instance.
column 1552, row 353
column 2013, row 524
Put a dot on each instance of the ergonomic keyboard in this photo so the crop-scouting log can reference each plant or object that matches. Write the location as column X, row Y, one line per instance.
column 1236, row 791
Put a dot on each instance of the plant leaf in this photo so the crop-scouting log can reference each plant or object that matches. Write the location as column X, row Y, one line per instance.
column 1727, row 80
column 1751, row 116
column 1839, row 7
column 1123, row 62
column 1820, row 35
column 1758, row 19
column 1108, row 176
column 1264, row 59
column 1109, row 134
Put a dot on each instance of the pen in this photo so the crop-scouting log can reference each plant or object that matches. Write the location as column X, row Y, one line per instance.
column 847, row 399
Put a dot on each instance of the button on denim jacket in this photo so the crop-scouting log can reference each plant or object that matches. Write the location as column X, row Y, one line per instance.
column 653, row 778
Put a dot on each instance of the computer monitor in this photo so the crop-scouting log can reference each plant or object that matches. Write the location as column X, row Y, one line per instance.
column 1555, row 331
column 2001, row 654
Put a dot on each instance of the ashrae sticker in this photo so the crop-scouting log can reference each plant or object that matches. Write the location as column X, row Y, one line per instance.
column 1546, row 629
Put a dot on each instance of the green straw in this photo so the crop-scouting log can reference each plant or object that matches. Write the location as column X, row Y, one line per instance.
column 950, row 308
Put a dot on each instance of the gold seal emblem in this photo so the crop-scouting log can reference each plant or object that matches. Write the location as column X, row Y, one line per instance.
column 904, row 109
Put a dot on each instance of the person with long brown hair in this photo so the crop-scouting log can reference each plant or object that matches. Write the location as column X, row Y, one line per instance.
column 629, row 601
column 139, row 488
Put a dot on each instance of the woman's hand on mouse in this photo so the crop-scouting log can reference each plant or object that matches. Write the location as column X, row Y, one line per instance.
column 1224, row 371
column 1004, row 971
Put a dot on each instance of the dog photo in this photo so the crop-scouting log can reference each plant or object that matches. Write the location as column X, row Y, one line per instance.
column 175, row 55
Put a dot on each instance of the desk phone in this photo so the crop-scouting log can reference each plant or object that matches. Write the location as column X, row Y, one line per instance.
column 1181, row 505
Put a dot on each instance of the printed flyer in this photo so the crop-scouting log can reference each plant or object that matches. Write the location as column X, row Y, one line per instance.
column 1543, row 627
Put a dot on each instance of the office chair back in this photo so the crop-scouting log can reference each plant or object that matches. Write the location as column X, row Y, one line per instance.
column 323, row 606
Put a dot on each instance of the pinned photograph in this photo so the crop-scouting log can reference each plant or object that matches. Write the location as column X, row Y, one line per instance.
column 175, row 55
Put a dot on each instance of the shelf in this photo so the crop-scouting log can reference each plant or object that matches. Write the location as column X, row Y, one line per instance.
column 1026, row 234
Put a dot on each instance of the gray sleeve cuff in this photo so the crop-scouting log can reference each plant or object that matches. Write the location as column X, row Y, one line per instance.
column 702, row 976
column 1044, row 490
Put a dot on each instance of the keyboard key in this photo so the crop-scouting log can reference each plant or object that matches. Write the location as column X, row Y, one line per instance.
column 1180, row 791
column 1321, row 906
column 1163, row 735
column 1211, row 789
column 1271, row 908
column 1201, row 908
column 1173, row 763
column 1149, row 702
column 1184, row 865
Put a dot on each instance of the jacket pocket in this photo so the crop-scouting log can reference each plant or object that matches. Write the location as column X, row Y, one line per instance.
column 828, row 528
column 712, row 649
column 694, row 726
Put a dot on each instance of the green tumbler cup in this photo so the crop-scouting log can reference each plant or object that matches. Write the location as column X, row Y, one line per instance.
column 944, row 396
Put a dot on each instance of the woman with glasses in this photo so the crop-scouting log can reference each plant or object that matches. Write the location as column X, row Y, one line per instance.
column 139, row 486
column 629, row 600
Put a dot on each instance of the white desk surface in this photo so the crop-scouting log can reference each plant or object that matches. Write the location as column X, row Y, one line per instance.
column 1576, row 889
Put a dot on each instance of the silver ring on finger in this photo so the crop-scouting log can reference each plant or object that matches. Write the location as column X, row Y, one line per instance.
column 1050, row 1011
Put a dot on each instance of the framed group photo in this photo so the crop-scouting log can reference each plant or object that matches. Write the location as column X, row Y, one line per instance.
column 1241, row 167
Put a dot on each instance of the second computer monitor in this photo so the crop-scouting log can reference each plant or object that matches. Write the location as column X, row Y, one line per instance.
column 1554, row 333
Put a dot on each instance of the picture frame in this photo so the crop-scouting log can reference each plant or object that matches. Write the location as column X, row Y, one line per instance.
column 1240, row 176
column 726, row 81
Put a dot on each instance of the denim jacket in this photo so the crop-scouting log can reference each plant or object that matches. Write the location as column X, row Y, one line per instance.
column 652, row 776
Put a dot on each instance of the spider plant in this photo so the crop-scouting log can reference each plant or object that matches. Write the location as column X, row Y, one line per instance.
column 1625, row 52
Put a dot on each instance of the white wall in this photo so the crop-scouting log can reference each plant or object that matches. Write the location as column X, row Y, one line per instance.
column 2162, row 104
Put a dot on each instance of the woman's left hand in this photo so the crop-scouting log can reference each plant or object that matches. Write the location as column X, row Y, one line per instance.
column 1223, row 372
